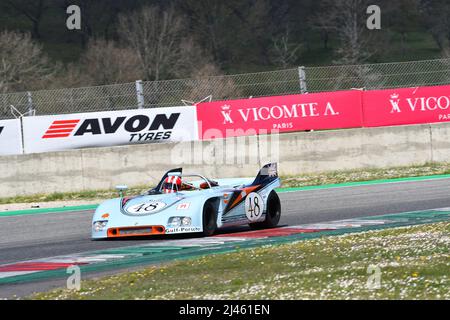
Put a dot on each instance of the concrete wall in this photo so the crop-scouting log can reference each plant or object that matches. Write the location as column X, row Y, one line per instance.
column 301, row 152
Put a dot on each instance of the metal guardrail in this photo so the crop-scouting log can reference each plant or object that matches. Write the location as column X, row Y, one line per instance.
column 149, row 94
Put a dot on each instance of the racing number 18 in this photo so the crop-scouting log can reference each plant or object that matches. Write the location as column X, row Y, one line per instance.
column 146, row 207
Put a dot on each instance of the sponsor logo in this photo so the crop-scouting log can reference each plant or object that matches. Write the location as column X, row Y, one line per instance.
column 60, row 129
column 183, row 229
column 140, row 127
column 301, row 110
column 146, row 208
column 226, row 113
column 183, row 206
column 395, row 102
column 422, row 104
column 1, row 129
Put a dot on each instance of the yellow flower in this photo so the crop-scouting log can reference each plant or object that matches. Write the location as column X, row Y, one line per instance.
column 415, row 274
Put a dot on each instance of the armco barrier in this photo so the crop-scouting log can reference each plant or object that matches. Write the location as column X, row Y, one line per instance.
column 300, row 152
column 328, row 110
column 10, row 137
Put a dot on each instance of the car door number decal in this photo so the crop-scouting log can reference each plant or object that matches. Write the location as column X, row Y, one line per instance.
column 254, row 206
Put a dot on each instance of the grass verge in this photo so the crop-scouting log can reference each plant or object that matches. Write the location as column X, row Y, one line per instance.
column 344, row 176
column 312, row 179
column 413, row 264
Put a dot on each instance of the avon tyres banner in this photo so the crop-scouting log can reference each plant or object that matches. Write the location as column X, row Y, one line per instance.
column 406, row 106
column 328, row 110
column 111, row 128
column 10, row 137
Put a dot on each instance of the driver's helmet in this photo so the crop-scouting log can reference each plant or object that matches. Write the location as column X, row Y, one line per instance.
column 171, row 184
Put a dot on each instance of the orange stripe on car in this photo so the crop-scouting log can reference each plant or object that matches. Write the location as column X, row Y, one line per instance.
column 244, row 192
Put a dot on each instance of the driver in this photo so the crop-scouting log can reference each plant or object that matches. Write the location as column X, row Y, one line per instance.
column 171, row 184
column 174, row 184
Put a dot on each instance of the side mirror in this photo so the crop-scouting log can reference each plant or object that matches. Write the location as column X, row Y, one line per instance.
column 121, row 189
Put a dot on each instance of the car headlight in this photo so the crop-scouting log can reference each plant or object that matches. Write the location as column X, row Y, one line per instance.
column 179, row 221
column 99, row 225
column 186, row 221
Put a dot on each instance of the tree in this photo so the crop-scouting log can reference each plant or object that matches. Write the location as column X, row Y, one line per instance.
column 402, row 17
column 435, row 14
column 32, row 10
column 208, row 80
column 98, row 17
column 284, row 52
column 209, row 22
column 159, row 38
column 23, row 65
column 248, row 29
column 104, row 62
column 347, row 19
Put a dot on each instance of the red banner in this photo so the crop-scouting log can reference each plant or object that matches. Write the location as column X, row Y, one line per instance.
column 327, row 110
column 406, row 106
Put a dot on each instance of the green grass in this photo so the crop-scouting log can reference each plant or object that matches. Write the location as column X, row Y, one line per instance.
column 312, row 179
column 413, row 264
column 344, row 176
column 66, row 196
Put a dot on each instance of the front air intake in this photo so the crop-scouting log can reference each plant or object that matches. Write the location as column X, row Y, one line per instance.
column 135, row 231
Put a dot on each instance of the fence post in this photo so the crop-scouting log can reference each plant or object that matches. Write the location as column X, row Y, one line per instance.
column 302, row 79
column 30, row 107
column 140, row 94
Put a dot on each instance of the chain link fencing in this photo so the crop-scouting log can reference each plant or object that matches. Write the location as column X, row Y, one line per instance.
column 150, row 94
column 378, row 76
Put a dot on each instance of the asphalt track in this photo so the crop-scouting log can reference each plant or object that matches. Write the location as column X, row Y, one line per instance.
column 37, row 236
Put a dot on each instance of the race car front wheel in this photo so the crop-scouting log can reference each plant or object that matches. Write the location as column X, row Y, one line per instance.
column 273, row 213
column 209, row 219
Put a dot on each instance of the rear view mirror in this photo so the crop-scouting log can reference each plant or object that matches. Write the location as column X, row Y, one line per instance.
column 121, row 189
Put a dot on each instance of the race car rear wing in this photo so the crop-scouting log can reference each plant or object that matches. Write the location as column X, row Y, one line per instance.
column 267, row 174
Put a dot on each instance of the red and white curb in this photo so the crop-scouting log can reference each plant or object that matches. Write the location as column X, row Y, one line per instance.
column 55, row 263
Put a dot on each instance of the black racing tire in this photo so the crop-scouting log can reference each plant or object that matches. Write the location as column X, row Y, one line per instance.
column 209, row 219
column 273, row 213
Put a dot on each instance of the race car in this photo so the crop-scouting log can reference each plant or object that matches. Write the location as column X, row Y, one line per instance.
column 191, row 203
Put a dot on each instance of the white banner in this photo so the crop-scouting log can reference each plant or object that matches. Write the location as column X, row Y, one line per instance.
column 10, row 137
column 110, row 128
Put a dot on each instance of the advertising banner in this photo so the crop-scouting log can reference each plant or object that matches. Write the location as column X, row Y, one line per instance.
column 111, row 128
column 10, row 137
column 327, row 110
column 406, row 106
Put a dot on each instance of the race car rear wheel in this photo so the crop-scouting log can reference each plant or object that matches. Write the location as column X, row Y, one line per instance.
column 273, row 213
column 209, row 219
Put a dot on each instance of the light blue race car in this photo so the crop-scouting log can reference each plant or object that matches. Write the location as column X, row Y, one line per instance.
column 191, row 203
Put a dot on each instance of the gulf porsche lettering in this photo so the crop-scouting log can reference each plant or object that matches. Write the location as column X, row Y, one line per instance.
column 183, row 230
column 158, row 128
column 60, row 129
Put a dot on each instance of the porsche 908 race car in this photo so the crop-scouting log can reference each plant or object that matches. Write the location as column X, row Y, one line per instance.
column 191, row 203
